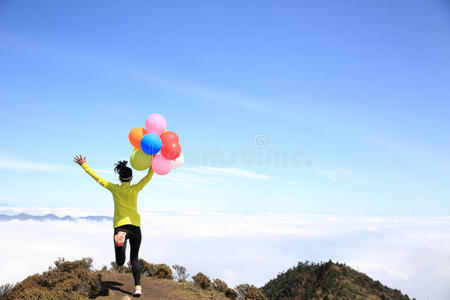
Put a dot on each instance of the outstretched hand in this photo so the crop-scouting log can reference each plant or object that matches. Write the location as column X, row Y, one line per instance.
column 79, row 159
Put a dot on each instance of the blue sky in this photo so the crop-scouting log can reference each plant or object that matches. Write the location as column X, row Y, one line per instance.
column 358, row 88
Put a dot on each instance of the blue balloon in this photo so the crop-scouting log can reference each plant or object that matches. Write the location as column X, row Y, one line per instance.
column 151, row 143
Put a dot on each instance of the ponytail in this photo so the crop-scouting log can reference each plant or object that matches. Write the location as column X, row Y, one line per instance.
column 124, row 172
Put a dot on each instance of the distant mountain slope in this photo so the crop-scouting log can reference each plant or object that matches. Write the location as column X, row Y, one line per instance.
column 327, row 281
column 52, row 217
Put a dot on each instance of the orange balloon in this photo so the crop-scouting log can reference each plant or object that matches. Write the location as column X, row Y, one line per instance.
column 135, row 136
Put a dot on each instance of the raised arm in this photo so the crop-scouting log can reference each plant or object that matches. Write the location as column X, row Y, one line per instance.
column 82, row 162
column 140, row 185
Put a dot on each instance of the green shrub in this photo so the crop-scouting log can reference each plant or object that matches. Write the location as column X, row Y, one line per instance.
column 66, row 280
column 146, row 267
column 230, row 293
column 161, row 271
column 61, row 265
column 220, row 285
column 254, row 294
column 39, row 293
column 250, row 292
column 202, row 280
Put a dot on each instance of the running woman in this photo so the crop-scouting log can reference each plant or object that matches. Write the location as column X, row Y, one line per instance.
column 126, row 221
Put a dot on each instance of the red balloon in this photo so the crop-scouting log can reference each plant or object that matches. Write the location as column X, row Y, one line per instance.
column 171, row 151
column 169, row 137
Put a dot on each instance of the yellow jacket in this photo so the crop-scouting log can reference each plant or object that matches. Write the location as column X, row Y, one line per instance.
column 125, row 197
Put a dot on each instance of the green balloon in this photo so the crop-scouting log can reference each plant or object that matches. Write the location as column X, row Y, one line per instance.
column 139, row 160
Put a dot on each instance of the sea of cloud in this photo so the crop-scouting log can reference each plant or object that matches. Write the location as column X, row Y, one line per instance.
column 408, row 253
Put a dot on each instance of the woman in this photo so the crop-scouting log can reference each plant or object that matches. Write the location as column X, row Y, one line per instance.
column 126, row 219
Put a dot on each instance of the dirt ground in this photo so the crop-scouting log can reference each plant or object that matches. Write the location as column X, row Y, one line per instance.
column 122, row 285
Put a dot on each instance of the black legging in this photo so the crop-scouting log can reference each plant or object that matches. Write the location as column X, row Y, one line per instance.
column 134, row 235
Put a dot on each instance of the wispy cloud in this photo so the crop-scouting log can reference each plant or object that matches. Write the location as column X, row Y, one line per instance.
column 132, row 70
column 408, row 253
column 230, row 172
column 412, row 150
column 15, row 163
column 341, row 174
column 207, row 178
column 221, row 96
column 187, row 177
column 181, row 178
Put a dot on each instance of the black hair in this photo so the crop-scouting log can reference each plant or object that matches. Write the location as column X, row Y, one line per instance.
column 124, row 172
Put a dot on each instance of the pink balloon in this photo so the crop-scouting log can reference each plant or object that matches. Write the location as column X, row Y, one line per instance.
column 156, row 124
column 161, row 165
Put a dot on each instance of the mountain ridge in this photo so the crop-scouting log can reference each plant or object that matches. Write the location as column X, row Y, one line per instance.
column 51, row 217
column 327, row 281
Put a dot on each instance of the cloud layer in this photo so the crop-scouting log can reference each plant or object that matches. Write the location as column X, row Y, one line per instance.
column 407, row 253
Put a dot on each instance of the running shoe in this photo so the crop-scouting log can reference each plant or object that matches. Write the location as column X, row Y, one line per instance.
column 137, row 291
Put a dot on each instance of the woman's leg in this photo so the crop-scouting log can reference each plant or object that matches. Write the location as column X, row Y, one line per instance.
column 120, row 248
column 135, row 243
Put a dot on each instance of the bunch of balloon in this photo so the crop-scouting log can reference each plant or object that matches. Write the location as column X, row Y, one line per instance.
column 155, row 146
